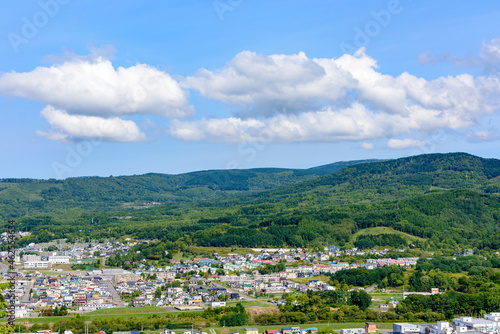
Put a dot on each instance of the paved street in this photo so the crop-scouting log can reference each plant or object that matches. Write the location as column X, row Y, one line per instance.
column 116, row 299
column 3, row 267
column 29, row 286
column 370, row 289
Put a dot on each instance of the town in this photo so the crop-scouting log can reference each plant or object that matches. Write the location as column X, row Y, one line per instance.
column 60, row 278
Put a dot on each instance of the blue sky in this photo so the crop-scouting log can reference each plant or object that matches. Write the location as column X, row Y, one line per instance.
column 130, row 87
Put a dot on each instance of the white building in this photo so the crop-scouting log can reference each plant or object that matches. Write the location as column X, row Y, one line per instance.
column 352, row 331
column 37, row 265
column 442, row 327
column 493, row 316
column 403, row 327
column 31, row 258
column 59, row 259
column 479, row 324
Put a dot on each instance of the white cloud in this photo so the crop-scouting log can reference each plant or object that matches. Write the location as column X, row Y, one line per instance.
column 490, row 52
column 92, row 86
column 66, row 127
column 269, row 85
column 399, row 144
column 293, row 98
column 279, row 98
column 282, row 84
column 353, row 123
column 329, row 125
column 367, row 146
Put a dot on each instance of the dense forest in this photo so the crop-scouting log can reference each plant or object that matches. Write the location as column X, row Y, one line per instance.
column 20, row 197
column 435, row 201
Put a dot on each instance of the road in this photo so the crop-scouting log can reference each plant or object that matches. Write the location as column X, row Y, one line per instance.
column 3, row 267
column 27, row 289
column 370, row 289
column 116, row 299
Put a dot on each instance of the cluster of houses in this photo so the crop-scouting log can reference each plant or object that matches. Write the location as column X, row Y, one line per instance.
column 87, row 293
column 93, row 290
column 4, row 237
column 36, row 258
column 192, row 294
column 88, row 290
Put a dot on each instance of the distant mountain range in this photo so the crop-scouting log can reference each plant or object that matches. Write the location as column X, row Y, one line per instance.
column 431, row 201
column 19, row 197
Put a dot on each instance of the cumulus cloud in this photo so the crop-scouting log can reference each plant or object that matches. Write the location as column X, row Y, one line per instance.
column 294, row 98
column 278, row 98
column 66, row 127
column 284, row 84
column 273, row 84
column 399, row 144
column 329, row 125
column 92, row 86
column 85, row 95
column 353, row 123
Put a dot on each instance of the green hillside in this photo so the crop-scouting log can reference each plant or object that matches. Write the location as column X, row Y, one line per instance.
column 21, row 197
column 431, row 201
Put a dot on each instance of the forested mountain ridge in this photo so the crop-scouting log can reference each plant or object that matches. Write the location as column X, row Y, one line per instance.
column 434, row 201
column 19, row 197
column 446, row 171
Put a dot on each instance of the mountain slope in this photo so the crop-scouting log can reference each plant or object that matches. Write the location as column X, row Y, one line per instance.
column 393, row 179
column 19, row 197
column 443, row 199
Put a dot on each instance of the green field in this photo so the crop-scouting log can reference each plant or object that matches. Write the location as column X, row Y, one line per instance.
column 128, row 310
column 384, row 230
column 123, row 312
column 384, row 298
column 251, row 304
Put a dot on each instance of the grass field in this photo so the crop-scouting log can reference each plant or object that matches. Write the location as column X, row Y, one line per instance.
column 129, row 310
column 384, row 298
column 384, row 230
column 123, row 312
column 251, row 304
